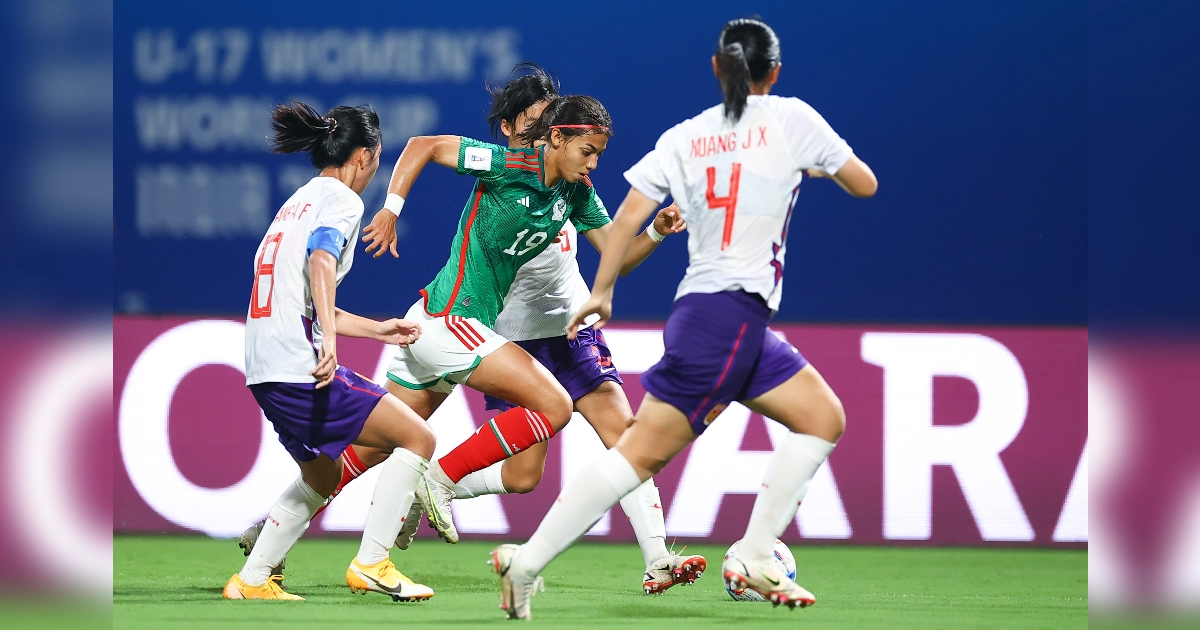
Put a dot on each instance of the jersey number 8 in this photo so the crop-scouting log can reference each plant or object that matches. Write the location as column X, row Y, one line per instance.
column 264, row 277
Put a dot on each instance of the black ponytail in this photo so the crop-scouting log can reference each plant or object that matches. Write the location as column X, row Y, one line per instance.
column 329, row 140
column 574, row 115
column 528, row 84
column 747, row 51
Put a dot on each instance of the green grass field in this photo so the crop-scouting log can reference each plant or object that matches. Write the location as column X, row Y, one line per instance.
column 175, row 582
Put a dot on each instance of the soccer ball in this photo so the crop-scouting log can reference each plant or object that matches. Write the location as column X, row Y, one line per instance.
column 784, row 560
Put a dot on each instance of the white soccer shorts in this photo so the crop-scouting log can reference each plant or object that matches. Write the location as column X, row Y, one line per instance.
column 449, row 349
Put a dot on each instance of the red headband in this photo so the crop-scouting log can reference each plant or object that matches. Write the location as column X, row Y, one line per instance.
column 579, row 127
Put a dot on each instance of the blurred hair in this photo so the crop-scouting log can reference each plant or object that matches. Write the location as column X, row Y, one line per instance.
column 746, row 51
column 520, row 93
column 329, row 140
column 576, row 109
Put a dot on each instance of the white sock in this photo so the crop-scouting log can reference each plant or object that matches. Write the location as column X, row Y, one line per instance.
column 437, row 474
column 285, row 524
column 394, row 493
column 582, row 502
column 793, row 465
column 481, row 482
column 644, row 509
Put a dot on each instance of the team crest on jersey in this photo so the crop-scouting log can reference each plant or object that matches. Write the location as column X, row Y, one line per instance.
column 560, row 209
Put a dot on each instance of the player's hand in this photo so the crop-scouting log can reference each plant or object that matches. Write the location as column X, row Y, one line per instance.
column 400, row 332
column 669, row 221
column 594, row 306
column 326, row 361
column 380, row 235
column 817, row 173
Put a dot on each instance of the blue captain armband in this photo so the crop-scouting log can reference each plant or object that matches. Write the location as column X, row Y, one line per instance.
column 328, row 239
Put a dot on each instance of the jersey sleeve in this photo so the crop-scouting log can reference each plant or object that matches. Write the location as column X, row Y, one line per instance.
column 481, row 159
column 811, row 141
column 591, row 214
column 649, row 175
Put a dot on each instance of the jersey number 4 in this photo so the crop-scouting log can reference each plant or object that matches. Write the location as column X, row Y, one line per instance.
column 264, row 277
column 729, row 201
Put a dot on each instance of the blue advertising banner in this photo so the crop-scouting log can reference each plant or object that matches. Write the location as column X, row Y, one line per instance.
column 972, row 115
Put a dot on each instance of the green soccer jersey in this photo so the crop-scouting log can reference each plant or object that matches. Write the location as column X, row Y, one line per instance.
column 510, row 218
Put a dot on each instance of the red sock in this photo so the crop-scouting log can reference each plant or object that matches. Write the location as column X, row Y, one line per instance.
column 502, row 437
column 352, row 467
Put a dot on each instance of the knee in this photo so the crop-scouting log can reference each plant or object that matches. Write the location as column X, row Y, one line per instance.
column 558, row 407
column 524, row 483
column 422, row 441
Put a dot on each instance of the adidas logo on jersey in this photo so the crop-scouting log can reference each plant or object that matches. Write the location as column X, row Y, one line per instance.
column 524, row 201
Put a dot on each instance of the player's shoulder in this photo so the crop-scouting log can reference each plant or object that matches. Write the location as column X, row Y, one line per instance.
column 334, row 193
column 786, row 107
column 521, row 159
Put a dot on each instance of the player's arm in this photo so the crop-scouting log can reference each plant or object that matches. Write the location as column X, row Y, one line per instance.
column 855, row 177
column 631, row 216
column 393, row 331
column 322, row 275
column 668, row 221
column 421, row 150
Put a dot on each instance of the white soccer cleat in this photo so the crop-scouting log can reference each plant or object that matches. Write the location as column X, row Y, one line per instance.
column 516, row 588
column 673, row 569
column 408, row 531
column 767, row 580
column 435, row 501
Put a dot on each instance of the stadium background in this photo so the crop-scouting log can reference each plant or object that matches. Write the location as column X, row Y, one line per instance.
column 971, row 115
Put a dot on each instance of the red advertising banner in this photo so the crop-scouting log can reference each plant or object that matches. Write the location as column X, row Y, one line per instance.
column 955, row 435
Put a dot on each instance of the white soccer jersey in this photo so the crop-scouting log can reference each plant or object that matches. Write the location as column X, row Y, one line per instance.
column 281, row 331
column 546, row 291
column 736, row 185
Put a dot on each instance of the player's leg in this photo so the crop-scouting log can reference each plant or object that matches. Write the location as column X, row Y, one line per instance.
column 807, row 406
column 391, row 425
column 542, row 409
column 607, row 409
column 285, row 523
column 659, row 433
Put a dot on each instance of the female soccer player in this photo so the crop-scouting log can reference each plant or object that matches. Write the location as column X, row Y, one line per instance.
column 317, row 407
column 545, row 292
column 522, row 199
column 718, row 348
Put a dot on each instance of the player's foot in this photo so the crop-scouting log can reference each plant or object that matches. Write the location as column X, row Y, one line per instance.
column 766, row 579
column 383, row 577
column 235, row 588
column 435, row 501
column 247, row 540
column 673, row 569
column 408, row 531
column 516, row 588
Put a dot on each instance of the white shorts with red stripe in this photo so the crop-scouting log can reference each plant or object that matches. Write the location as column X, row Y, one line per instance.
column 449, row 348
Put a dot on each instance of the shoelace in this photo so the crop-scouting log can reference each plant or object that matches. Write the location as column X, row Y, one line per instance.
column 531, row 589
column 390, row 570
column 273, row 584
